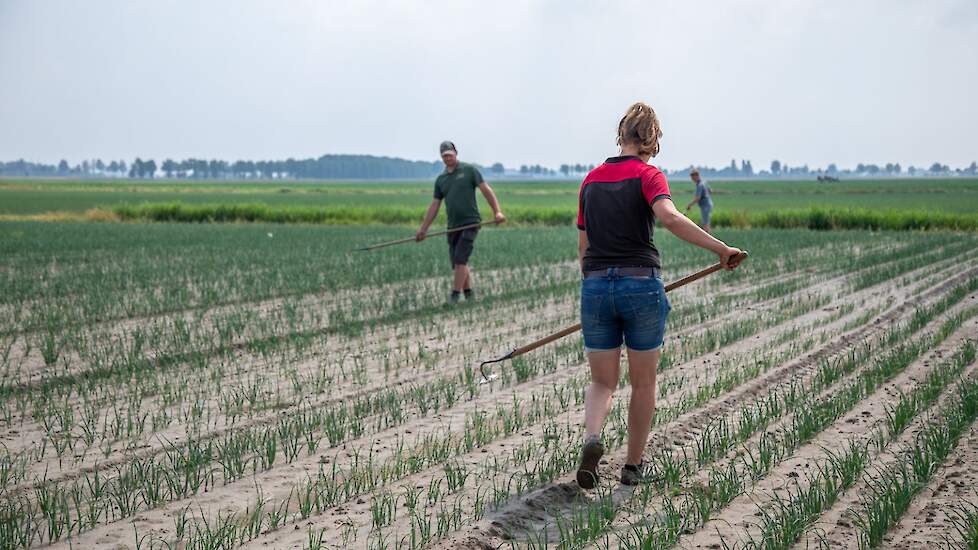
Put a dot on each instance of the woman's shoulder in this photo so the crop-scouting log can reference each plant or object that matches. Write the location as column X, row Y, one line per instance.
column 651, row 173
column 652, row 169
column 595, row 172
column 633, row 168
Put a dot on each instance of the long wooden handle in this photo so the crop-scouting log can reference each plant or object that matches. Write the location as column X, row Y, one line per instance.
column 671, row 286
column 546, row 340
column 435, row 234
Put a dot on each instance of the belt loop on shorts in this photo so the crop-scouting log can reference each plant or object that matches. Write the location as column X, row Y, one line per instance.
column 618, row 272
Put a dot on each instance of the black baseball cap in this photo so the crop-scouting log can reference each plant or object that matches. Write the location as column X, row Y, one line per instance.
column 447, row 146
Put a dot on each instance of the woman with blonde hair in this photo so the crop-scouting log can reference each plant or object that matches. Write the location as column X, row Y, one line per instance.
column 622, row 296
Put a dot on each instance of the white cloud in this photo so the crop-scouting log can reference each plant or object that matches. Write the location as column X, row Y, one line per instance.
column 520, row 82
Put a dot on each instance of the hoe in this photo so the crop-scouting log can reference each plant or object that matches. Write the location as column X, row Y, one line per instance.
column 435, row 234
column 572, row 329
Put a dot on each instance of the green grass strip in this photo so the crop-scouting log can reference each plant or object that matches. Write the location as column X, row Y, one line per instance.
column 330, row 215
column 811, row 218
column 848, row 218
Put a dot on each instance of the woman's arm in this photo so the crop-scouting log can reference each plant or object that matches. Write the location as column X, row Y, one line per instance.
column 685, row 229
column 581, row 247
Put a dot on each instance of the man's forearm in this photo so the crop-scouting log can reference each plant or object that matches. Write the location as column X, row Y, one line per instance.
column 493, row 203
column 429, row 217
column 491, row 199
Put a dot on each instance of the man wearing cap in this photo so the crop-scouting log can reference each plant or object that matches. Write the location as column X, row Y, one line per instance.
column 456, row 186
column 704, row 197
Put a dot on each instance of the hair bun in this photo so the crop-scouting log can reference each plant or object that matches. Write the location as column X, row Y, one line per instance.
column 640, row 127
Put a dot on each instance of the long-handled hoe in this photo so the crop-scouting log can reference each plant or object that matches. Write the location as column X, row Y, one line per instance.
column 435, row 234
column 572, row 329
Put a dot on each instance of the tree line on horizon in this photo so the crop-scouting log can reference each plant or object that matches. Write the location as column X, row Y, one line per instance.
column 374, row 167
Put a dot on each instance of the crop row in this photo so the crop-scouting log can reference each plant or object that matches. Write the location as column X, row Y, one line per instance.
column 799, row 506
column 127, row 361
column 895, row 485
column 61, row 420
column 239, row 470
column 706, row 445
column 729, row 480
column 243, row 451
column 723, row 435
column 431, row 394
column 116, row 272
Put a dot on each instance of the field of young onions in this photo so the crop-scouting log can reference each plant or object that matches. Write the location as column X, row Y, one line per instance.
column 262, row 386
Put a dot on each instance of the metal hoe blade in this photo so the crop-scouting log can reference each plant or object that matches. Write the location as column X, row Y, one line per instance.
column 486, row 378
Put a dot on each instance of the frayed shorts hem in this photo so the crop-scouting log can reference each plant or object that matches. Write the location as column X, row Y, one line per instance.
column 657, row 348
column 596, row 350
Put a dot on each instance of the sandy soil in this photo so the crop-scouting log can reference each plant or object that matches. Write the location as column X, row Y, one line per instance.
column 926, row 524
column 451, row 355
column 393, row 357
column 738, row 520
column 678, row 435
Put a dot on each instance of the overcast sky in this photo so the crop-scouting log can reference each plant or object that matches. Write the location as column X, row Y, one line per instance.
column 806, row 81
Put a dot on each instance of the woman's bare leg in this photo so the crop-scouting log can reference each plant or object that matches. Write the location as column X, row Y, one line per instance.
column 605, row 369
column 641, row 407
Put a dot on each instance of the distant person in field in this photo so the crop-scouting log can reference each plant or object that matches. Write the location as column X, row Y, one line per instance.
column 703, row 197
column 622, row 296
column 456, row 186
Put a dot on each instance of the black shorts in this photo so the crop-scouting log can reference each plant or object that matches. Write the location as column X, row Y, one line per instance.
column 460, row 245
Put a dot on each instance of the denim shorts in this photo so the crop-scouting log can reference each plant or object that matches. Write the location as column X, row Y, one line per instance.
column 705, row 214
column 616, row 308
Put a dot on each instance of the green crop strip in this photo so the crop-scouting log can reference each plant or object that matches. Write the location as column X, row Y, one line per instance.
column 46, row 199
column 788, row 218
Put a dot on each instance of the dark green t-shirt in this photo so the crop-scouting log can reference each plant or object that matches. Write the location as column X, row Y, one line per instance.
column 457, row 189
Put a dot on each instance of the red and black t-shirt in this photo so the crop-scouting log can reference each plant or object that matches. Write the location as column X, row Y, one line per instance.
column 615, row 209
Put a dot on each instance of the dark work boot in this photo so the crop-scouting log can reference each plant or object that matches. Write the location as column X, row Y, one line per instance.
column 587, row 472
column 636, row 474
